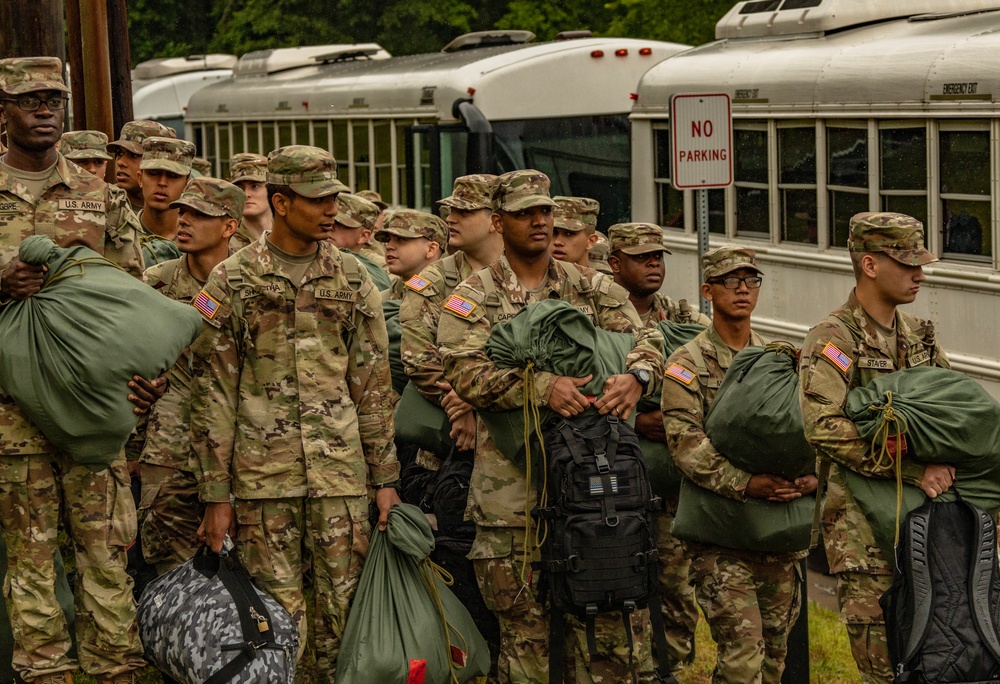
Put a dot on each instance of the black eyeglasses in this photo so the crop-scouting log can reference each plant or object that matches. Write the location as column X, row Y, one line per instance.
column 31, row 103
column 733, row 282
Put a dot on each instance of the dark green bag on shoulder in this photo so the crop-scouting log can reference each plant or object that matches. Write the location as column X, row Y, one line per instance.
column 422, row 423
column 390, row 310
column 69, row 351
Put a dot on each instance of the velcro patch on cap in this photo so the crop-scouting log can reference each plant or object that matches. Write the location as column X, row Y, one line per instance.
column 460, row 306
column 837, row 357
column 206, row 304
column 680, row 374
column 417, row 284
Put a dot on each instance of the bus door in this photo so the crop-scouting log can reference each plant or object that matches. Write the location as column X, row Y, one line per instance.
column 435, row 157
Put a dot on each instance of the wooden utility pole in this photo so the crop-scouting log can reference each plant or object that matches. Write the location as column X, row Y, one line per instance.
column 96, row 70
column 32, row 28
column 75, row 58
column 121, row 67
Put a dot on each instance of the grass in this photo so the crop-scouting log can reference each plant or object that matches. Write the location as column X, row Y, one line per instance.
column 830, row 660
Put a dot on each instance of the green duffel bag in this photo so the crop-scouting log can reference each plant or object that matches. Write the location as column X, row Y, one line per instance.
column 156, row 250
column 390, row 310
column 946, row 417
column 664, row 478
column 405, row 625
column 676, row 335
column 422, row 422
column 71, row 349
column 756, row 417
column 757, row 525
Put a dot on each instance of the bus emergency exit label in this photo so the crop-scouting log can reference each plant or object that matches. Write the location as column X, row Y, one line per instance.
column 701, row 129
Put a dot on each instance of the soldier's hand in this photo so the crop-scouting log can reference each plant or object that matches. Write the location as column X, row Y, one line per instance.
column 621, row 394
column 463, row 431
column 146, row 392
column 772, row 488
column 452, row 404
column 938, row 478
column 385, row 498
column 566, row 399
column 219, row 521
column 650, row 425
column 807, row 484
column 20, row 280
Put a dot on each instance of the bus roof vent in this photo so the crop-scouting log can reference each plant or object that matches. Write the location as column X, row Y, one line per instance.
column 757, row 18
column 171, row 66
column 574, row 35
column 470, row 41
column 264, row 62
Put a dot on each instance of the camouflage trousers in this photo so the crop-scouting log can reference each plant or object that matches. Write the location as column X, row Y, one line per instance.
column 858, row 595
column 524, row 630
column 750, row 601
column 99, row 517
column 677, row 599
column 170, row 513
column 273, row 535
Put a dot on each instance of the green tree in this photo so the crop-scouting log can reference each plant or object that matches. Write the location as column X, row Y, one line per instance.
column 170, row 28
column 678, row 21
column 545, row 20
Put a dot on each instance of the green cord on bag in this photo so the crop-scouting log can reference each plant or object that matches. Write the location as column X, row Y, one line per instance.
column 63, row 274
column 886, row 459
column 429, row 571
column 532, row 424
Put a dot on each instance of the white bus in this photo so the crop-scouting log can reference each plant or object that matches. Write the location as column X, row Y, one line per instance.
column 842, row 106
column 407, row 126
column 162, row 87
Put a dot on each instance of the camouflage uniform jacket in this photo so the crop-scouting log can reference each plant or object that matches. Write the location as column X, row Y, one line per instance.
column 688, row 393
column 76, row 208
column 292, row 391
column 240, row 239
column 395, row 291
column 168, row 431
column 824, row 387
column 666, row 309
column 419, row 314
column 498, row 486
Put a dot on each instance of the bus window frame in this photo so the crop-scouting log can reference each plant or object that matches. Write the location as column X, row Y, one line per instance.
column 972, row 125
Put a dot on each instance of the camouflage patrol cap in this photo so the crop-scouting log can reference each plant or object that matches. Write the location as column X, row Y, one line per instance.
column 636, row 238
column 471, row 192
column 212, row 197
column 518, row 190
column 575, row 213
column 308, row 171
column 897, row 235
column 374, row 198
column 20, row 75
column 355, row 211
column 247, row 166
column 167, row 154
column 410, row 223
column 202, row 166
column 726, row 259
column 84, row 145
column 601, row 249
column 135, row 132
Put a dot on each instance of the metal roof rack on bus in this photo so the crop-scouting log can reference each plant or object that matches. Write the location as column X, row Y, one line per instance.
column 934, row 16
column 263, row 62
column 160, row 67
column 478, row 39
column 574, row 35
column 349, row 55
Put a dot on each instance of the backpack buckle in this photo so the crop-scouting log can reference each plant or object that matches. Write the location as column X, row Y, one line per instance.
column 611, row 521
column 603, row 466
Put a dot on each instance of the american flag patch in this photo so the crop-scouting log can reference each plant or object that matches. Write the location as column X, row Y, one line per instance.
column 417, row 284
column 206, row 305
column 462, row 307
column 680, row 374
column 837, row 357
column 597, row 485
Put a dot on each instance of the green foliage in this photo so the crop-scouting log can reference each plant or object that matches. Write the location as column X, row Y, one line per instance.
column 677, row 21
column 170, row 28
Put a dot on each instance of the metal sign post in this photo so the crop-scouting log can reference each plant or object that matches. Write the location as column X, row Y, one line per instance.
column 701, row 129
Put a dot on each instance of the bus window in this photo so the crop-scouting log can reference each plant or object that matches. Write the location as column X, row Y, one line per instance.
column 362, row 158
column 965, row 193
column 903, row 170
column 847, row 178
column 301, row 130
column 454, row 148
column 401, row 167
column 383, row 157
column 339, row 149
column 239, row 136
column 670, row 210
column 321, row 135
column 225, row 149
column 797, row 183
column 285, row 133
column 750, row 168
column 210, row 151
column 267, row 130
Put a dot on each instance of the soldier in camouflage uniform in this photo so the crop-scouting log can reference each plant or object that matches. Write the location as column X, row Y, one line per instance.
column 292, row 413
column 170, row 511
column 128, row 154
column 42, row 193
column 471, row 231
column 637, row 263
column 750, row 599
column 574, row 229
column 201, row 166
column 86, row 149
column 599, row 253
column 413, row 241
column 499, row 492
column 373, row 249
column 866, row 337
column 248, row 172
column 353, row 228
column 163, row 173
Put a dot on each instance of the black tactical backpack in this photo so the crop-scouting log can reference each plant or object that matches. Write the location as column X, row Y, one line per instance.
column 599, row 553
column 942, row 611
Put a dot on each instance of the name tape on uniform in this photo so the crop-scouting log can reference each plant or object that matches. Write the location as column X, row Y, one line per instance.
column 80, row 205
column 876, row 364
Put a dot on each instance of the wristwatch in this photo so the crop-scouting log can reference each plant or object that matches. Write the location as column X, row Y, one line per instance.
column 643, row 376
column 388, row 485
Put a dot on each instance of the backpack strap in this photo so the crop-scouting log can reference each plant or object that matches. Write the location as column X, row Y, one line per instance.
column 704, row 377
column 582, row 286
column 491, row 298
column 166, row 274
column 918, row 569
column 983, row 563
column 659, row 634
column 449, row 269
column 557, row 643
column 352, row 269
column 234, row 276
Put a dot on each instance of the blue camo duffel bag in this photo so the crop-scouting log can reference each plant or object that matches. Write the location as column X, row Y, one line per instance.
column 206, row 622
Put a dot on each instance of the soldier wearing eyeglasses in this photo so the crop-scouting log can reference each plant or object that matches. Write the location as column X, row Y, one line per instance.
column 750, row 599
column 43, row 193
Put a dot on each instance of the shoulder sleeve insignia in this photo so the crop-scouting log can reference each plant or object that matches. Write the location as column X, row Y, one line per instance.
column 680, row 374
column 460, row 306
column 837, row 357
column 417, row 284
column 206, row 304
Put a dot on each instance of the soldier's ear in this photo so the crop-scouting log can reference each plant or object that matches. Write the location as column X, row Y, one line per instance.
column 497, row 221
column 614, row 263
column 706, row 291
